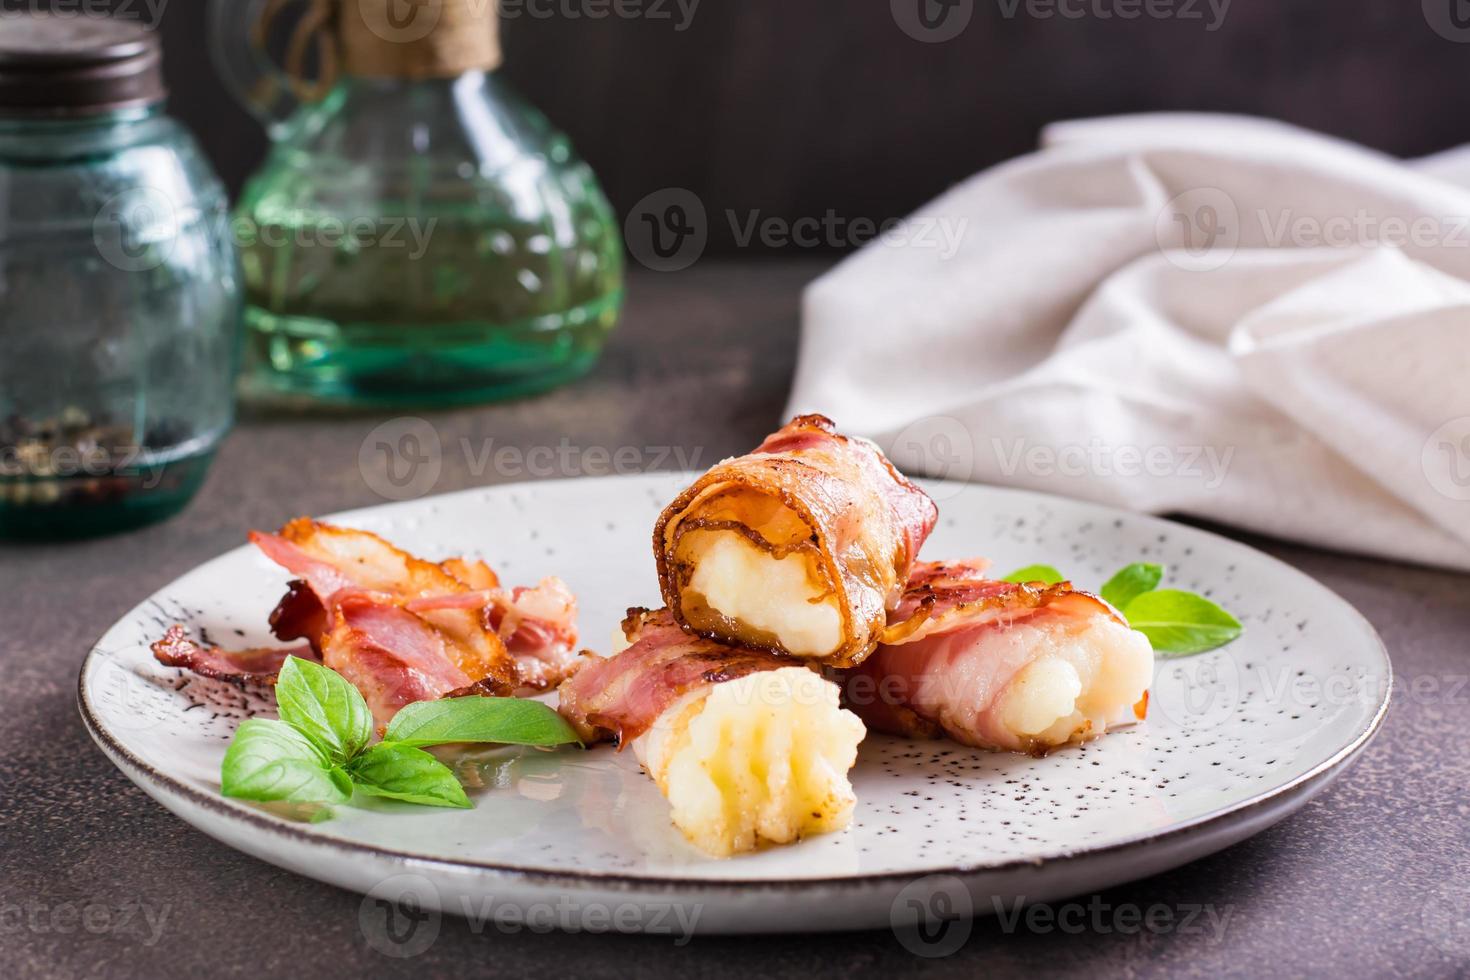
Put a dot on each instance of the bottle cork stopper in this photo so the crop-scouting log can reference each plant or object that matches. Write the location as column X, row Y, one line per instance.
column 418, row 39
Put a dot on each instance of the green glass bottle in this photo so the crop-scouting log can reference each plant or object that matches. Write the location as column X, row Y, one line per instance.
column 418, row 234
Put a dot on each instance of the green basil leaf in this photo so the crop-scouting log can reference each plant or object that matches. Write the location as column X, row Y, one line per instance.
column 1130, row 582
column 402, row 772
column 1035, row 573
column 508, row 721
column 1181, row 623
column 269, row 760
column 318, row 702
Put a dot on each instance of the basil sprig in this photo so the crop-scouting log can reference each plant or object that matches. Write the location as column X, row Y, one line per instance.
column 270, row 760
column 1177, row 623
column 508, row 720
column 1130, row 582
column 319, row 751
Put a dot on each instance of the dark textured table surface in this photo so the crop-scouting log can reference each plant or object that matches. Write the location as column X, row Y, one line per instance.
column 1370, row 879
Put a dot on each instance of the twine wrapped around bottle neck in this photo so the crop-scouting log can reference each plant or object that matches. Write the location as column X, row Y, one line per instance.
column 410, row 39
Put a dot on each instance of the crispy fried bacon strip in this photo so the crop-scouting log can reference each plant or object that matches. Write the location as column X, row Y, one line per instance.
column 1015, row 667
column 176, row 649
column 537, row 625
column 338, row 562
column 300, row 615
column 944, row 594
column 622, row 696
column 461, row 597
column 539, row 628
column 395, row 657
column 800, row 547
column 400, row 628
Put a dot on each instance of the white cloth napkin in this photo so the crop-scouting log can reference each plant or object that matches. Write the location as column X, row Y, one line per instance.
column 1217, row 316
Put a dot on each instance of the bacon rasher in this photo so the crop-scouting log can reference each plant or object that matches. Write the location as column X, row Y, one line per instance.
column 801, row 547
column 747, row 747
column 997, row 665
column 176, row 649
column 401, row 629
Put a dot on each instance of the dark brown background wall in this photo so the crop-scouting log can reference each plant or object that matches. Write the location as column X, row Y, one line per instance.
column 795, row 107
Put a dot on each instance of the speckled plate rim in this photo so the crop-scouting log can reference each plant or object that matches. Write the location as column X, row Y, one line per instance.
column 1280, row 801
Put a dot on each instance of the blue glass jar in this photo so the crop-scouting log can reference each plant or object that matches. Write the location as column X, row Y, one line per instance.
column 119, row 295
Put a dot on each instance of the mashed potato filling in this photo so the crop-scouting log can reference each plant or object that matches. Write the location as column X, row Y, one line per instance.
column 1086, row 683
column 761, row 759
column 759, row 594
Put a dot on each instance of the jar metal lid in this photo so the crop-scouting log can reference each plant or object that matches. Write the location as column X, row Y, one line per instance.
column 76, row 65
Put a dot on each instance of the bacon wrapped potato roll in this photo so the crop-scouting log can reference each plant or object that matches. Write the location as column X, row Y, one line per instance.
column 1017, row 668
column 747, row 747
column 800, row 548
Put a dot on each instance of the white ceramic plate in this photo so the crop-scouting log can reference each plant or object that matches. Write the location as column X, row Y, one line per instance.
column 1236, row 739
